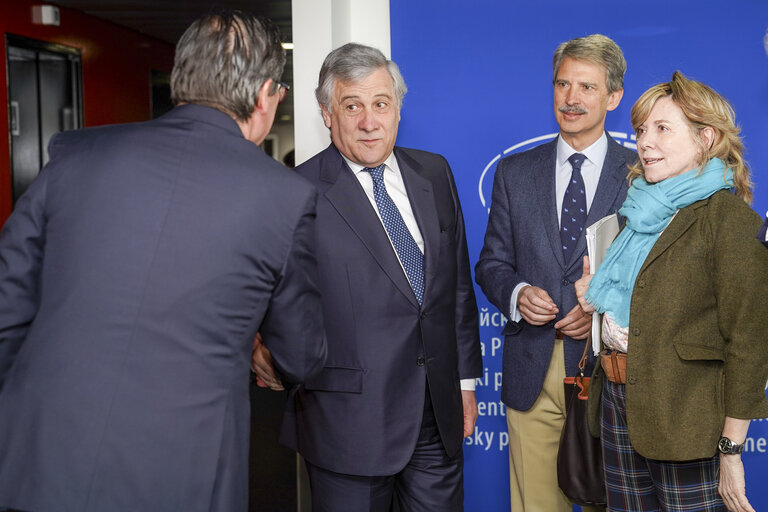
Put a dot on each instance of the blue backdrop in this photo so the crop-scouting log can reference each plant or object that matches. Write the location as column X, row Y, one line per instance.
column 480, row 86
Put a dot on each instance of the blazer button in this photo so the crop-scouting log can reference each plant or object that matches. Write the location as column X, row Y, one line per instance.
column 423, row 315
column 565, row 282
column 631, row 380
column 641, row 283
column 420, row 361
column 636, row 331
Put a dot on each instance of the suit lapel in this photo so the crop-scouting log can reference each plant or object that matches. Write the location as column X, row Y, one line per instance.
column 612, row 177
column 422, row 199
column 545, row 195
column 348, row 198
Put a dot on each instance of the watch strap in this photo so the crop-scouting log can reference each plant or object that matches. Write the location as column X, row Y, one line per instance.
column 728, row 447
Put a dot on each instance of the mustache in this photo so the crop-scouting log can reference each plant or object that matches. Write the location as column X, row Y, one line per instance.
column 565, row 109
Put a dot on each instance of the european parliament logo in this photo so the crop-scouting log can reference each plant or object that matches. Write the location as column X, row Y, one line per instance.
column 485, row 184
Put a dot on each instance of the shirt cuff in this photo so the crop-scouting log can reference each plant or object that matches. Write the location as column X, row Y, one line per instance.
column 514, row 314
column 467, row 384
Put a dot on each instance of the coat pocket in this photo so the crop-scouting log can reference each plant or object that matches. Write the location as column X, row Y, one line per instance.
column 690, row 352
column 337, row 378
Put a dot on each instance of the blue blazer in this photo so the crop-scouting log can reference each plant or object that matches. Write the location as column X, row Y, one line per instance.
column 522, row 243
column 134, row 274
column 362, row 414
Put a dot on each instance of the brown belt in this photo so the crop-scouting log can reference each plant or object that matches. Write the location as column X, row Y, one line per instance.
column 614, row 366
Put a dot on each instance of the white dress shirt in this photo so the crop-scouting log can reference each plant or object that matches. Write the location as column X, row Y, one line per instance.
column 590, row 172
column 393, row 181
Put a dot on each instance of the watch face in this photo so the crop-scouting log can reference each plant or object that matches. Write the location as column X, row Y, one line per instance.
column 728, row 447
column 725, row 445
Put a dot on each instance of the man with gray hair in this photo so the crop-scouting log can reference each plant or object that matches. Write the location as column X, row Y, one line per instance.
column 387, row 415
column 136, row 271
column 542, row 200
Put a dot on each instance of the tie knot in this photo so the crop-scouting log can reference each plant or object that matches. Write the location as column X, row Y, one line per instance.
column 576, row 160
column 377, row 173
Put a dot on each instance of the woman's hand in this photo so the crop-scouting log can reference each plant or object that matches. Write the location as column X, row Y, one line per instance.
column 582, row 285
column 732, row 487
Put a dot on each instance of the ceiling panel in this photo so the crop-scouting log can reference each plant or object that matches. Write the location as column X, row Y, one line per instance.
column 167, row 19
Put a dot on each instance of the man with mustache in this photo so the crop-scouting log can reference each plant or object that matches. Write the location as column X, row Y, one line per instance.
column 542, row 201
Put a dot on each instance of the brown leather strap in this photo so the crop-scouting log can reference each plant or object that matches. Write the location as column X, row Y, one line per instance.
column 614, row 366
column 583, row 360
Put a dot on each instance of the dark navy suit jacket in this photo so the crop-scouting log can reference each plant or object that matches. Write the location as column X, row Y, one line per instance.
column 362, row 414
column 762, row 235
column 134, row 274
column 522, row 244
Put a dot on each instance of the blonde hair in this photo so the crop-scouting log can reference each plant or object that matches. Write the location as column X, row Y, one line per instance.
column 702, row 107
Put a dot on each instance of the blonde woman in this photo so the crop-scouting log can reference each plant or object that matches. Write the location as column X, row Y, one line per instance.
column 682, row 292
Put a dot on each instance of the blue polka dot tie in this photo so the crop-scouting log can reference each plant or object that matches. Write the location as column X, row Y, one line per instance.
column 574, row 213
column 410, row 256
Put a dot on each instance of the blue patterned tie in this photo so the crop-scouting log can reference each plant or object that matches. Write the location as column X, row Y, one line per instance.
column 574, row 213
column 410, row 256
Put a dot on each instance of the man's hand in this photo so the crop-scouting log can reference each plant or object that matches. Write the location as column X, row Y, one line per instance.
column 469, row 402
column 582, row 285
column 261, row 364
column 536, row 306
column 576, row 324
column 731, row 486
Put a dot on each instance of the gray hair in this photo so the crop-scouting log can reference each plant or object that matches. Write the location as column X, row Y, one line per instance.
column 595, row 48
column 222, row 60
column 352, row 63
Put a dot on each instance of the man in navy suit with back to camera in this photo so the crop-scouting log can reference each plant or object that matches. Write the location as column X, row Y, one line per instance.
column 134, row 274
column 542, row 200
column 387, row 414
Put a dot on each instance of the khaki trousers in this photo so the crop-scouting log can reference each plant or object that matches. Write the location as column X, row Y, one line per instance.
column 534, row 437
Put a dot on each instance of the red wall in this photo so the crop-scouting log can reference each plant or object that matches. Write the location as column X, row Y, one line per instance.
column 116, row 64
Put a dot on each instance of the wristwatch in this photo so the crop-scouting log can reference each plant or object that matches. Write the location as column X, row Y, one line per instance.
column 728, row 447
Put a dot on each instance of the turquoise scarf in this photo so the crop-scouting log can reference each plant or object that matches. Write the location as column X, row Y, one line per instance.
column 648, row 210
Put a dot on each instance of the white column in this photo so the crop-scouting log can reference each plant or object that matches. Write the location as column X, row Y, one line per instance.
column 319, row 26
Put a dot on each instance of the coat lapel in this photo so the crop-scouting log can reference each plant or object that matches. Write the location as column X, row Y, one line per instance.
column 348, row 198
column 545, row 195
column 422, row 201
column 683, row 220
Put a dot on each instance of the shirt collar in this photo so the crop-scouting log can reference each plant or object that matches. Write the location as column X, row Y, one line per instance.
column 594, row 153
column 390, row 162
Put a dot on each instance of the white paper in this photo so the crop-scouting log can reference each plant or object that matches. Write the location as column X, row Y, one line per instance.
column 600, row 235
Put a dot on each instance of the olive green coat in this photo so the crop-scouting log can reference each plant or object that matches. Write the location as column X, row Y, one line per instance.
column 698, row 333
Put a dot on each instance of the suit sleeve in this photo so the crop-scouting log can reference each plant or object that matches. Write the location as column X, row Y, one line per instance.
column 293, row 326
column 762, row 235
column 467, row 328
column 21, row 254
column 496, row 269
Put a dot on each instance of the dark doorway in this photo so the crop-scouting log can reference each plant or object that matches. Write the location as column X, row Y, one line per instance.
column 44, row 97
column 161, row 93
column 272, row 466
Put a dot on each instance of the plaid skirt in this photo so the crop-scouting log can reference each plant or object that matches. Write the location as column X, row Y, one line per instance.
column 637, row 484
